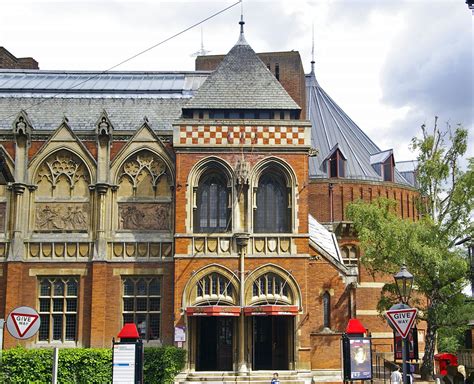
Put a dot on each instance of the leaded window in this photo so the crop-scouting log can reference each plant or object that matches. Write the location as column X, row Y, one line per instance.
column 212, row 204
column 326, row 310
column 272, row 213
column 58, row 308
column 271, row 288
column 141, row 297
column 214, row 288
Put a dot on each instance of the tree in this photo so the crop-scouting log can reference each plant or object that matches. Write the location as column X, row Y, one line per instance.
column 426, row 245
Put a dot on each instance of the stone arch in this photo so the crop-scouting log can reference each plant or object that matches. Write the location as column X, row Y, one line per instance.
column 271, row 296
column 196, row 174
column 190, row 293
column 350, row 254
column 283, row 171
column 145, row 191
column 62, row 197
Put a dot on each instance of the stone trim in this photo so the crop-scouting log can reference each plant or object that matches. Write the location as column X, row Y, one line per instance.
column 58, row 271
column 368, row 284
column 367, row 312
column 137, row 271
column 382, row 335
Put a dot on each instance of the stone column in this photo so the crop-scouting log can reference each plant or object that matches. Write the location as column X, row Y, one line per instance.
column 242, row 240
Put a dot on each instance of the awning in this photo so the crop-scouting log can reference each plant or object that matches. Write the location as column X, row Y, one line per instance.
column 213, row 310
column 271, row 310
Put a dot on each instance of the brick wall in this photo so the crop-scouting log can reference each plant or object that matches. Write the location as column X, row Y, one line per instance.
column 8, row 61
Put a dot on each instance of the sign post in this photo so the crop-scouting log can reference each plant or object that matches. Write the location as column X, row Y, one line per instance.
column 401, row 318
column 356, row 352
column 127, row 357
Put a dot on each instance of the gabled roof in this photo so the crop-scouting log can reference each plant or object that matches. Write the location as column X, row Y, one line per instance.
column 334, row 150
column 380, row 157
column 331, row 126
column 242, row 81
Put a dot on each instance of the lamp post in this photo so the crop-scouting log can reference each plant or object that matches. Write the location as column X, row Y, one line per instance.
column 404, row 283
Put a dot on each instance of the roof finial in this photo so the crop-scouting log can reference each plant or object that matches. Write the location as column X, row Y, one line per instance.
column 241, row 40
column 241, row 22
column 312, row 52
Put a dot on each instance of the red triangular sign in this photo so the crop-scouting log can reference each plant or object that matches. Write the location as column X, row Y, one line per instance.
column 23, row 322
column 402, row 319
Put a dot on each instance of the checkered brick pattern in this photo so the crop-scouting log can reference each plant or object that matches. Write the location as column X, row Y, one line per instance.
column 241, row 135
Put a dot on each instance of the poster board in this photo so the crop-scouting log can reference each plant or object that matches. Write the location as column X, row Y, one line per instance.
column 357, row 358
column 123, row 364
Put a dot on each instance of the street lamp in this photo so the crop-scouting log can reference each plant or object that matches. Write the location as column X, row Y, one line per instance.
column 404, row 283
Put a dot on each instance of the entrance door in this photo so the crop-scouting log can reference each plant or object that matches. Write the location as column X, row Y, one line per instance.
column 272, row 338
column 214, row 344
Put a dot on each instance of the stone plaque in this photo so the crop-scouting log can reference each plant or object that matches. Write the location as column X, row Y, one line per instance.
column 62, row 217
column 144, row 216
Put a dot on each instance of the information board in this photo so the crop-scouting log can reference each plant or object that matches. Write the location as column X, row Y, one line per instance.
column 124, row 364
column 357, row 358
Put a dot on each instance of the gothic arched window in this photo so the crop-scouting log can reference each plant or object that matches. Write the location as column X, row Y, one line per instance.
column 272, row 214
column 271, row 288
column 212, row 212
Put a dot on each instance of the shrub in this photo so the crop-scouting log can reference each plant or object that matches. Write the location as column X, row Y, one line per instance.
column 85, row 365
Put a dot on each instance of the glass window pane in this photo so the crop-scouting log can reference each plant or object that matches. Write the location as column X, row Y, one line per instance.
column 127, row 318
column 58, row 305
column 141, row 287
column 141, row 304
column 141, row 325
column 71, row 305
column 57, row 327
column 72, row 287
column 154, row 287
column 154, row 304
column 45, row 287
column 154, row 331
column 44, row 328
column 128, row 287
column 58, row 288
column 44, row 305
column 128, row 304
column 70, row 327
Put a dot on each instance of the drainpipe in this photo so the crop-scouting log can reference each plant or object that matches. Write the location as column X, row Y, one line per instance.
column 242, row 240
column 331, row 202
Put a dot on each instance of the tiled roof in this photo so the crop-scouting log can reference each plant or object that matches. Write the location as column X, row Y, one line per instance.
column 331, row 126
column 81, row 96
column 242, row 81
column 82, row 114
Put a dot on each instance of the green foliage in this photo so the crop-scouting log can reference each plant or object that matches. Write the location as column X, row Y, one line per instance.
column 163, row 364
column 451, row 339
column 84, row 365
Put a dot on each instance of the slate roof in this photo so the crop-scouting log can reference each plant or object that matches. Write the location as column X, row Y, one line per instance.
column 81, row 96
column 331, row 126
column 325, row 240
column 242, row 81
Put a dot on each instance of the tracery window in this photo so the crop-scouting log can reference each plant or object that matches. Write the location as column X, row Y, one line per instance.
column 212, row 213
column 271, row 288
column 272, row 214
column 214, row 288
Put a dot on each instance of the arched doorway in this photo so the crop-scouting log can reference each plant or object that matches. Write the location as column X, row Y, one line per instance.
column 272, row 299
column 212, row 315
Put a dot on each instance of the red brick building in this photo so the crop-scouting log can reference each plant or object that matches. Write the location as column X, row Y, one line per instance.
column 193, row 204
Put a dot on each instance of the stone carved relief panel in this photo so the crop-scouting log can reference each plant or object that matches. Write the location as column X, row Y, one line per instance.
column 62, row 175
column 62, row 217
column 145, row 216
column 142, row 176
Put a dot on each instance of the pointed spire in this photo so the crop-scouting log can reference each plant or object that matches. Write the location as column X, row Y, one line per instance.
column 241, row 40
column 312, row 53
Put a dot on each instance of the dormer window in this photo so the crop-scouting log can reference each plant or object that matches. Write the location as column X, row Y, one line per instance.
column 384, row 164
column 336, row 163
column 388, row 169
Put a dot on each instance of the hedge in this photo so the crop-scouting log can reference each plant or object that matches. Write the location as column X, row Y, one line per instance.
column 85, row 365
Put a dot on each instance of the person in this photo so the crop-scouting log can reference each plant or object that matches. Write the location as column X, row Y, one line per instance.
column 396, row 376
column 275, row 379
column 460, row 376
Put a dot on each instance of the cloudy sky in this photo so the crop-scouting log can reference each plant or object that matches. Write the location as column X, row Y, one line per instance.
column 391, row 65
